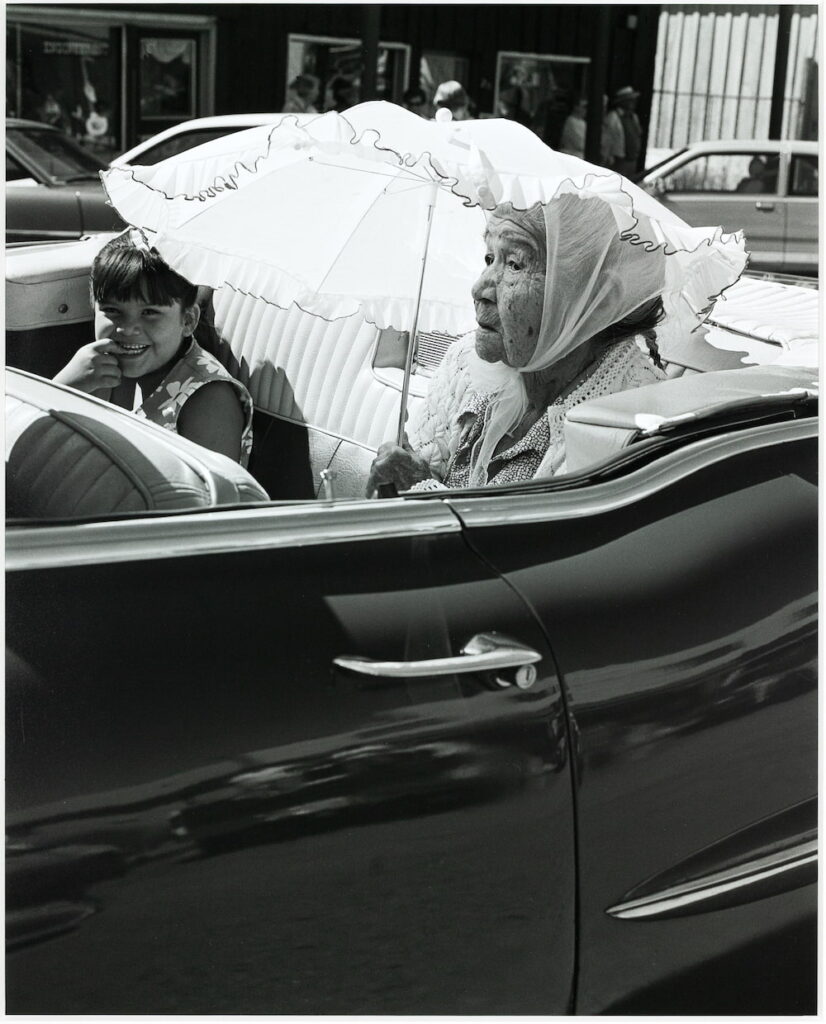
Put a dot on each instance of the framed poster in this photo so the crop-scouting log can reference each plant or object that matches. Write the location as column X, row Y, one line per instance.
column 539, row 90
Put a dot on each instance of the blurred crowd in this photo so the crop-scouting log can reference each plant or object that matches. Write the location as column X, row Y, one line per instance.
column 561, row 122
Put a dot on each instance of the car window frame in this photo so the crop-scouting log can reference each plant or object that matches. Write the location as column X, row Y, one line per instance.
column 727, row 194
column 38, row 173
column 219, row 133
column 803, row 158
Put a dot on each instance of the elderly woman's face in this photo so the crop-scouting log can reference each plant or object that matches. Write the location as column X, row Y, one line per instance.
column 510, row 291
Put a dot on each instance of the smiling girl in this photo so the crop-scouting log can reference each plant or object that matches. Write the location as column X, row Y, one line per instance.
column 145, row 358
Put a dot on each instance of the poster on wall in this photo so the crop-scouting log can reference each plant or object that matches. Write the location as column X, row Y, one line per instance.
column 539, row 90
column 167, row 78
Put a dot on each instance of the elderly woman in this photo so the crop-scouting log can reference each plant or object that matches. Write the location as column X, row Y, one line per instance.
column 566, row 308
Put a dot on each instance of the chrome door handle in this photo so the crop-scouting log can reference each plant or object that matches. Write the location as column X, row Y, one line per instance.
column 484, row 652
column 766, row 207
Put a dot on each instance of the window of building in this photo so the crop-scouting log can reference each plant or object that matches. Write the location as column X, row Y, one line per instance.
column 336, row 64
column 437, row 67
column 539, row 90
column 68, row 77
column 167, row 78
column 754, row 173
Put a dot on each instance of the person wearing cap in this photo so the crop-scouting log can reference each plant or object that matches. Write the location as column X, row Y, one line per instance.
column 624, row 132
column 452, row 96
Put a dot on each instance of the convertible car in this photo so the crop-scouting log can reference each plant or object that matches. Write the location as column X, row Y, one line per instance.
column 547, row 748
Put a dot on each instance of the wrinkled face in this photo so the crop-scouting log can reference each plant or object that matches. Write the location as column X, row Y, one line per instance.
column 509, row 293
column 148, row 336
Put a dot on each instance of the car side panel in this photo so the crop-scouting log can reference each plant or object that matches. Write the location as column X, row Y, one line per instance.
column 762, row 219
column 206, row 816
column 684, row 628
column 801, row 234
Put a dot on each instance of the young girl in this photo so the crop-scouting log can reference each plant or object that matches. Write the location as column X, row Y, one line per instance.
column 145, row 358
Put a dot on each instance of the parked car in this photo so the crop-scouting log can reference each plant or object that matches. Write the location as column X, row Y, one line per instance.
column 767, row 189
column 546, row 748
column 53, row 187
column 188, row 134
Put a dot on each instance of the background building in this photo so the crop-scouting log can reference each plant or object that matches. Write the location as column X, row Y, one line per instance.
column 734, row 71
column 113, row 75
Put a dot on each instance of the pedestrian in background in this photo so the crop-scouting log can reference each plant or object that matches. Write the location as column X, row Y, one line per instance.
column 415, row 101
column 623, row 132
column 574, row 130
column 302, row 94
column 344, row 93
column 511, row 108
column 452, row 96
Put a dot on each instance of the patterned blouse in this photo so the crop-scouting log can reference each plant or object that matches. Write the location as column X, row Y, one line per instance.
column 623, row 366
column 193, row 370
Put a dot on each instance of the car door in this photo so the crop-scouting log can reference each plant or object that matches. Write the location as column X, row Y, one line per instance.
column 210, row 809
column 680, row 602
column 802, row 213
column 718, row 189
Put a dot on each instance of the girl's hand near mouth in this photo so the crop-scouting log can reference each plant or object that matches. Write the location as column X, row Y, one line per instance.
column 92, row 368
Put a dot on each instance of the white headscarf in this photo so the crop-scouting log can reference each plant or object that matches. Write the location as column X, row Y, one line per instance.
column 595, row 277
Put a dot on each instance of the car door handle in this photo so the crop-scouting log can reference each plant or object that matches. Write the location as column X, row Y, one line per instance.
column 764, row 206
column 484, row 652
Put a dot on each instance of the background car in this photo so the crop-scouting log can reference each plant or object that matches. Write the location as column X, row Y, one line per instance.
column 543, row 748
column 189, row 134
column 53, row 187
column 767, row 189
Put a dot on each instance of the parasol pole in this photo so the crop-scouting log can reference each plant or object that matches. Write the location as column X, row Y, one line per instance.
column 411, row 341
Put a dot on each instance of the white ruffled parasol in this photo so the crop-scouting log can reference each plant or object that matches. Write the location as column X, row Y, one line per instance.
column 379, row 212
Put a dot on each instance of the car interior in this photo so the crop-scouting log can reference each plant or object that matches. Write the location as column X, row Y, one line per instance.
column 326, row 395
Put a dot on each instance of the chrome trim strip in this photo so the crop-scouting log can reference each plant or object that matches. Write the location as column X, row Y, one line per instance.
column 504, row 510
column 270, row 527
column 719, row 883
column 215, row 532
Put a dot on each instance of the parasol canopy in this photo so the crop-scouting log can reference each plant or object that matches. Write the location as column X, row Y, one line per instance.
column 380, row 212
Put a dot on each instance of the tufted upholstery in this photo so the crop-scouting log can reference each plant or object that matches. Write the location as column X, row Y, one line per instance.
column 314, row 373
column 597, row 429
column 70, row 455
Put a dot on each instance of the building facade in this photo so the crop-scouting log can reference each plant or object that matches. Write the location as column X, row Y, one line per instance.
column 735, row 71
column 113, row 75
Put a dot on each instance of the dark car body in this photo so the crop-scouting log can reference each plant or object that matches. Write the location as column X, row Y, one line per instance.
column 248, row 771
column 53, row 188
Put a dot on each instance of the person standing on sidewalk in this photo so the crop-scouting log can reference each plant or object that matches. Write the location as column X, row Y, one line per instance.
column 624, row 132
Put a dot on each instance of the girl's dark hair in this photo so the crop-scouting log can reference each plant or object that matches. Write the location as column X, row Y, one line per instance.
column 125, row 270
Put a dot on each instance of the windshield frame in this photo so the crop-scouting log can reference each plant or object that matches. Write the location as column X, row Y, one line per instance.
column 78, row 163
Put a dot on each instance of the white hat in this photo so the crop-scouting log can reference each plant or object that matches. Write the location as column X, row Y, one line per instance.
column 626, row 93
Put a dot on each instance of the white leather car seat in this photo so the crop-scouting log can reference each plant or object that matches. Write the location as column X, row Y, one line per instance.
column 317, row 375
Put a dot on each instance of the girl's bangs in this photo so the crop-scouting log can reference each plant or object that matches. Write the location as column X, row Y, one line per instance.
column 126, row 274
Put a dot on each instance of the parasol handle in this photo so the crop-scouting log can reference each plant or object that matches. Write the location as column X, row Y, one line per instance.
column 411, row 341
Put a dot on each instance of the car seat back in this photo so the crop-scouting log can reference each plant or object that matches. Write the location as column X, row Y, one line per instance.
column 597, row 429
column 71, row 455
column 327, row 392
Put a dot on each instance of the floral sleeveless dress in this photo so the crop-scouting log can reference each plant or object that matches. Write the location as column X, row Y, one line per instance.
column 193, row 370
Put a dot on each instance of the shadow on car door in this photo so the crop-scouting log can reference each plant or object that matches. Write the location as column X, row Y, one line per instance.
column 207, row 814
